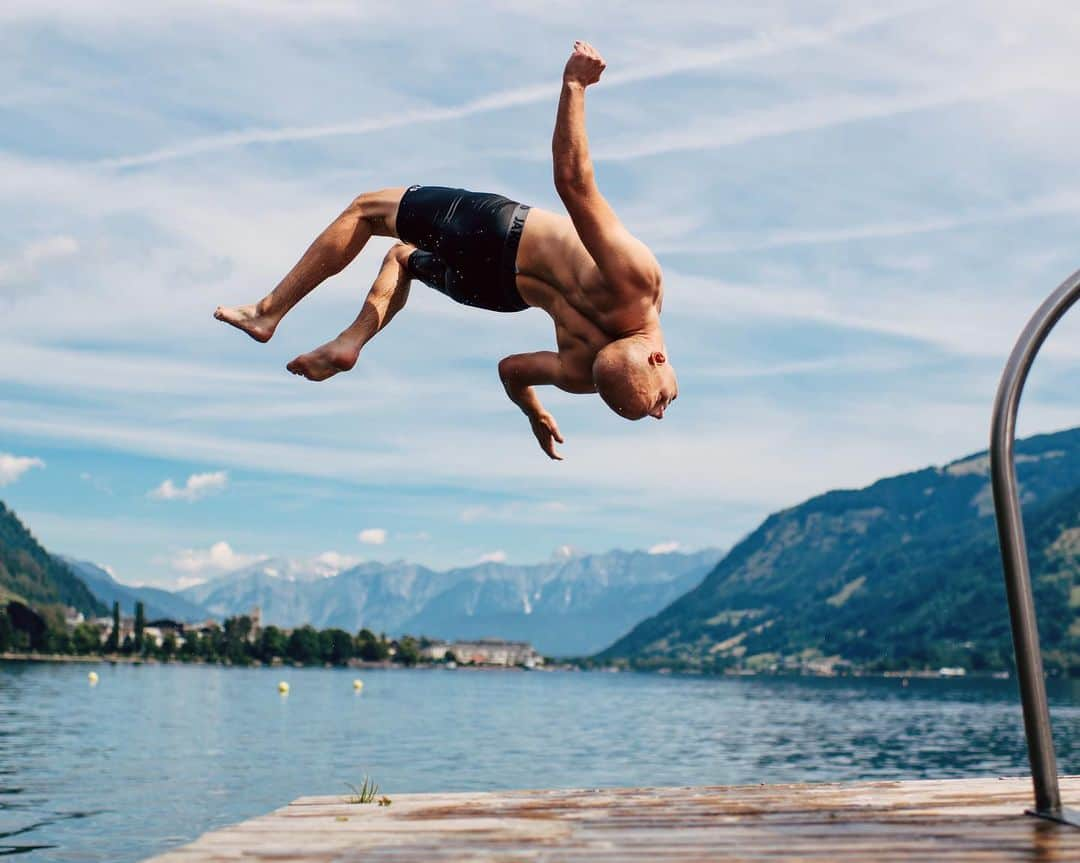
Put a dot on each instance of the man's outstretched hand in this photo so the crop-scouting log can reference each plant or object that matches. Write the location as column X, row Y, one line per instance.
column 547, row 433
column 584, row 66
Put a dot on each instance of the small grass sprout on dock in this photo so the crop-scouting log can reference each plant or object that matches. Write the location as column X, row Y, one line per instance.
column 385, row 801
column 366, row 793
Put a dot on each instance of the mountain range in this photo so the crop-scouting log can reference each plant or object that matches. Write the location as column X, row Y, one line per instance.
column 158, row 603
column 903, row 573
column 567, row 607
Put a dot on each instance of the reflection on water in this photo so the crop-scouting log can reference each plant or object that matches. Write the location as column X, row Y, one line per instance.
column 155, row 755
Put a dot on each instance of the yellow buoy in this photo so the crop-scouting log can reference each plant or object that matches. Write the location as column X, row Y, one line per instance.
column 92, row 677
column 283, row 688
column 358, row 685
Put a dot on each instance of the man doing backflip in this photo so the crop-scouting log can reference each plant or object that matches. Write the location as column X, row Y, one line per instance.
column 601, row 286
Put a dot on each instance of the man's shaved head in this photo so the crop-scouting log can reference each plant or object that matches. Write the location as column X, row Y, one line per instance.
column 634, row 379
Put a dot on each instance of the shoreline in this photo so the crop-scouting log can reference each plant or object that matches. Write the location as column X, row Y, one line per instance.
column 356, row 665
column 360, row 665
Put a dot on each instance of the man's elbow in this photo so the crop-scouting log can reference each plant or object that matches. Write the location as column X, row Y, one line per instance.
column 573, row 183
column 507, row 370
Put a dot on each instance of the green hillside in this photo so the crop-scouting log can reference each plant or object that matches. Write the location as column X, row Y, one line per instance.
column 902, row 574
column 29, row 573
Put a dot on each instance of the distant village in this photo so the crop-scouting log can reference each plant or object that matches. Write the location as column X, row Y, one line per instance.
column 243, row 640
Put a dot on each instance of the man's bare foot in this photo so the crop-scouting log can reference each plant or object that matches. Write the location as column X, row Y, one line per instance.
column 247, row 318
column 325, row 361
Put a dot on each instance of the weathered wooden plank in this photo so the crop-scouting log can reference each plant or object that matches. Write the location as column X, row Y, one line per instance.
column 944, row 820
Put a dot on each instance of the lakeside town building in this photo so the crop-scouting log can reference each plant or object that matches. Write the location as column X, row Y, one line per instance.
column 484, row 651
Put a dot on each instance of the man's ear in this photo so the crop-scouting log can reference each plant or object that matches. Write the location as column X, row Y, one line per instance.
column 657, row 358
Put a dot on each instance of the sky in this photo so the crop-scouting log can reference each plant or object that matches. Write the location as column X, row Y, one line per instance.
column 856, row 208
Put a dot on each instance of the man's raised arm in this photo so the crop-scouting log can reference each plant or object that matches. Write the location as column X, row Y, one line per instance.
column 519, row 374
column 620, row 256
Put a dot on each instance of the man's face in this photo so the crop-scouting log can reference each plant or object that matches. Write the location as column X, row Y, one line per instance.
column 667, row 385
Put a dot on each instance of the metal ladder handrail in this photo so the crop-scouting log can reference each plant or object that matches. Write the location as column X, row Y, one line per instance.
column 1014, row 558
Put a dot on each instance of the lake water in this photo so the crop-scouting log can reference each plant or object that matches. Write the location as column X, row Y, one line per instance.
column 153, row 756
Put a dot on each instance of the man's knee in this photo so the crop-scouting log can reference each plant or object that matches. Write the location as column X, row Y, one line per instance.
column 378, row 209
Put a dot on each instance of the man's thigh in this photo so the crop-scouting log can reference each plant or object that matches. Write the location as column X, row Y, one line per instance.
column 379, row 210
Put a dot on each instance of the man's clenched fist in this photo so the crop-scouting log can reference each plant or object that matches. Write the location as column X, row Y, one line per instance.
column 584, row 66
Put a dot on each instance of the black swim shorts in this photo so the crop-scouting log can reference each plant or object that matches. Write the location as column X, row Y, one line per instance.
column 466, row 244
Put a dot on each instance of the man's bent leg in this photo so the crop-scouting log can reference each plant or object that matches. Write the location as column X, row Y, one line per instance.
column 371, row 214
column 385, row 299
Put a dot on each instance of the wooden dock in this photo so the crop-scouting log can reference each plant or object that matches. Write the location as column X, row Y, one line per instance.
column 953, row 820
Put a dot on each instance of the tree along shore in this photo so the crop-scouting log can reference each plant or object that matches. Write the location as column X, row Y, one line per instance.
column 29, row 633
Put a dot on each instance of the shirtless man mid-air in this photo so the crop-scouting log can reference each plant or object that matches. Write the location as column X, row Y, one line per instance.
column 601, row 285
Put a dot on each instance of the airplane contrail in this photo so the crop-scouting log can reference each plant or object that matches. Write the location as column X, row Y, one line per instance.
column 762, row 45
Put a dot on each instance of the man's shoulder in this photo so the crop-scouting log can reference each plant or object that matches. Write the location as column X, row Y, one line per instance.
column 642, row 271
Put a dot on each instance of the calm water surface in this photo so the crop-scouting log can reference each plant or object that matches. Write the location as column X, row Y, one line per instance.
column 153, row 756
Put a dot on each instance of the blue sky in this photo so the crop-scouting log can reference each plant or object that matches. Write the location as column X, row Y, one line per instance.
column 855, row 209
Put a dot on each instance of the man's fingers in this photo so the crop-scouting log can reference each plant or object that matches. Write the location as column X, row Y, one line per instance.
column 553, row 430
column 547, row 433
column 548, row 445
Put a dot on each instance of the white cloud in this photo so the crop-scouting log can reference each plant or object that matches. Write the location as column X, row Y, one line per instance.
column 14, row 466
column 474, row 513
column 493, row 557
column 565, row 552
column 60, row 246
column 664, row 547
column 1059, row 202
column 23, row 268
column 802, row 116
column 219, row 558
column 372, row 536
column 198, row 485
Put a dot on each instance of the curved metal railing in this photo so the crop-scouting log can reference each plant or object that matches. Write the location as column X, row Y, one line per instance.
column 1014, row 558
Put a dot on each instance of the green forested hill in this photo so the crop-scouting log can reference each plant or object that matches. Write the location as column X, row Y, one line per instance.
column 29, row 573
column 904, row 573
